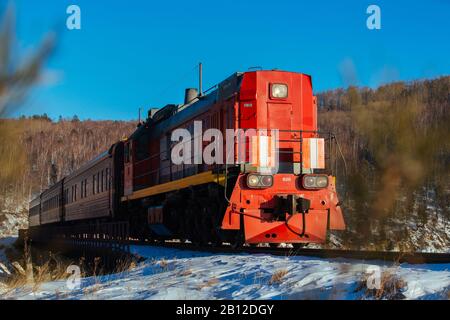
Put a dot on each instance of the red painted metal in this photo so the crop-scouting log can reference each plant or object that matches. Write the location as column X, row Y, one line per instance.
column 260, row 226
column 297, row 112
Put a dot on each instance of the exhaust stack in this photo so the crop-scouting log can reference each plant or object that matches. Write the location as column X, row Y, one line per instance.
column 190, row 95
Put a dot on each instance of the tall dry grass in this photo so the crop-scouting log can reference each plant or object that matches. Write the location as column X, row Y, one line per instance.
column 391, row 287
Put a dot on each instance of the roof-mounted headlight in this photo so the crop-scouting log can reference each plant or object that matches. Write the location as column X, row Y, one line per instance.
column 278, row 90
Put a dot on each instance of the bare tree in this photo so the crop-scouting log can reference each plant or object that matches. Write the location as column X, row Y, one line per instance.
column 17, row 75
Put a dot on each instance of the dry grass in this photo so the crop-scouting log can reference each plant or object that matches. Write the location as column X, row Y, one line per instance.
column 185, row 273
column 122, row 265
column 52, row 270
column 278, row 276
column 391, row 287
column 3, row 287
column 211, row 282
column 55, row 268
column 164, row 264
column 46, row 273
column 91, row 290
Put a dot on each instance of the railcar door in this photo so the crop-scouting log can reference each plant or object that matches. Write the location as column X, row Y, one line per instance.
column 128, row 169
column 280, row 117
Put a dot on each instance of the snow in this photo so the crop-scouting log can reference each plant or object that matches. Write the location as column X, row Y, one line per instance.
column 5, row 265
column 4, row 244
column 178, row 274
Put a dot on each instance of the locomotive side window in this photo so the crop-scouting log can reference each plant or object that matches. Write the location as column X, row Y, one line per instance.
column 93, row 184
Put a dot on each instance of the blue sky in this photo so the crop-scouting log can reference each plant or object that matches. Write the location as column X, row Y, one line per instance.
column 131, row 54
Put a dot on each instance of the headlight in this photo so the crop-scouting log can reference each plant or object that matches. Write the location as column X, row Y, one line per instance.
column 279, row 90
column 309, row 182
column 315, row 181
column 252, row 180
column 259, row 181
column 266, row 181
column 322, row 182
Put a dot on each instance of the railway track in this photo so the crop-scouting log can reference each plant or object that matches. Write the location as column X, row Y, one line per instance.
column 386, row 256
column 92, row 241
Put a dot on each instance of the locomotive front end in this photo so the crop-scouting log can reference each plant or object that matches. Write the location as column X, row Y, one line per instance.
column 280, row 205
column 286, row 189
column 284, row 212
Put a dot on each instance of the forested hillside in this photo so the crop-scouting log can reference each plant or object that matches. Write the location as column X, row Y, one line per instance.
column 36, row 151
column 396, row 144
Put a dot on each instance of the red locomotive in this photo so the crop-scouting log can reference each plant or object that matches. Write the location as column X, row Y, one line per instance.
column 276, row 186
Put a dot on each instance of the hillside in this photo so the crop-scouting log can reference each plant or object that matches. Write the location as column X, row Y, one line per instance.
column 36, row 151
column 396, row 144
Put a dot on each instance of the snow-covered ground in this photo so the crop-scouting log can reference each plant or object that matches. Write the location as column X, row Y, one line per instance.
column 177, row 274
column 5, row 243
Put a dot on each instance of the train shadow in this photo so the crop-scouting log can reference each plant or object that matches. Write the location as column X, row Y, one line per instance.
column 59, row 259
column 162, row 252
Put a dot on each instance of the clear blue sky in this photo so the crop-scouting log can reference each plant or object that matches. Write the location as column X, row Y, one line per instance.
column 143, row 53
